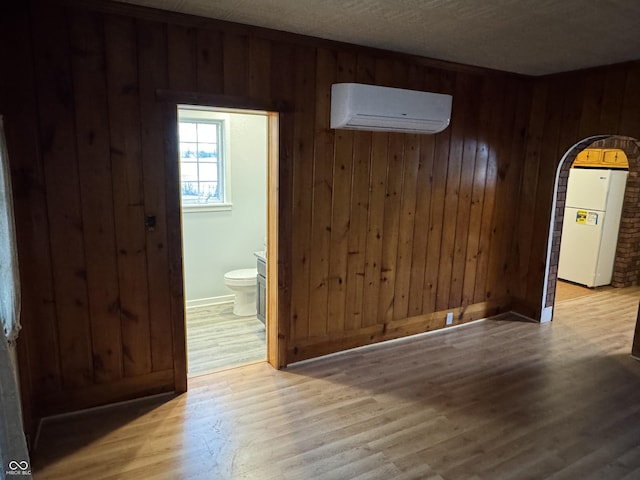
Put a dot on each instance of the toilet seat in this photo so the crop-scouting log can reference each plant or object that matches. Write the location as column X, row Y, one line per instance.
column 245, row 277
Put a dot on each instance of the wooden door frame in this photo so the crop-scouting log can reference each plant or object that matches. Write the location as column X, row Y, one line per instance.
column 276, row 343
column 273, row 322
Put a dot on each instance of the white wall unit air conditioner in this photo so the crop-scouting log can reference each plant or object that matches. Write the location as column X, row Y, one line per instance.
column 367, row 107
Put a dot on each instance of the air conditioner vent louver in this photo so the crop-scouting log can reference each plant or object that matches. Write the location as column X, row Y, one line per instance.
column 368, row 107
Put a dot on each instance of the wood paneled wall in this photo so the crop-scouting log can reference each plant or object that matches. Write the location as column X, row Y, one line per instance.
column 380, row 235
column 87, row 148
column 400, row 229
column 566, row 109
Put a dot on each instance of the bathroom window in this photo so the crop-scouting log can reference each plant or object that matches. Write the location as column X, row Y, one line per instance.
column 202, row 169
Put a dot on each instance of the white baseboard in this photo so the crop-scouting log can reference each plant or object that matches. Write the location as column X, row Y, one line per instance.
column 205, row 302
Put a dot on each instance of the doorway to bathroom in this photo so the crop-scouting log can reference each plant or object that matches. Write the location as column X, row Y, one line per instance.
column 223, row 158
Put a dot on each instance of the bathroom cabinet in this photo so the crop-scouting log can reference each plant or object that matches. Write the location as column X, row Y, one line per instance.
column 261, row 297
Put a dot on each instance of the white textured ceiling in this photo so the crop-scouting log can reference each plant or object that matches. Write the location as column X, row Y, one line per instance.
column 533, row 37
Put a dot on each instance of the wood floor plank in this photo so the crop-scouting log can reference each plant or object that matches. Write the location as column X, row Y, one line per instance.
column 217, row 339
column 568, row 290
column 499, row 398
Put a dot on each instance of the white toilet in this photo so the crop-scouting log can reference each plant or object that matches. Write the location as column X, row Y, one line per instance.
column 243, row 283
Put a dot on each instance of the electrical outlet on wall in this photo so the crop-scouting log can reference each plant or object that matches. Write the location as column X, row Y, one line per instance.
column 450, row 318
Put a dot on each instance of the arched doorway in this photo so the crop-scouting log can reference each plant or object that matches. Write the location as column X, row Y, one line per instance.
column 627, row 264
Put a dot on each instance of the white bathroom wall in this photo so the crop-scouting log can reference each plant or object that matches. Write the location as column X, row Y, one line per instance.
column 215, row 242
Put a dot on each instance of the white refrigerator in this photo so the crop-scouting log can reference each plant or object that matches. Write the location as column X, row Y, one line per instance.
column 591, row 223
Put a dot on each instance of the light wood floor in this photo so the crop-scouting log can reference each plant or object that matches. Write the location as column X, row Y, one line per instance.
column 496, row 399
column 218, row 339
column 568, row 290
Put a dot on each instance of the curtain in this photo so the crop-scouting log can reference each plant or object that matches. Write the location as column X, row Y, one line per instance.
column 9, row 279
column 14, row 456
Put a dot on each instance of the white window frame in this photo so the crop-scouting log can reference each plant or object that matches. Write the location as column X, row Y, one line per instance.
column 199, row 114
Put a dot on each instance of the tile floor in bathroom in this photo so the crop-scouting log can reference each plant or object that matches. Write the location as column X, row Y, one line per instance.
column 217, row 339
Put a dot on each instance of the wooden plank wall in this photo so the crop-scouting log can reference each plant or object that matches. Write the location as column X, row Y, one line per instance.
column 380, row 234
column 566, row 109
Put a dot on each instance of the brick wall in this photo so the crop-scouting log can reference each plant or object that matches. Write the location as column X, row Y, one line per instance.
column 626, row 268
